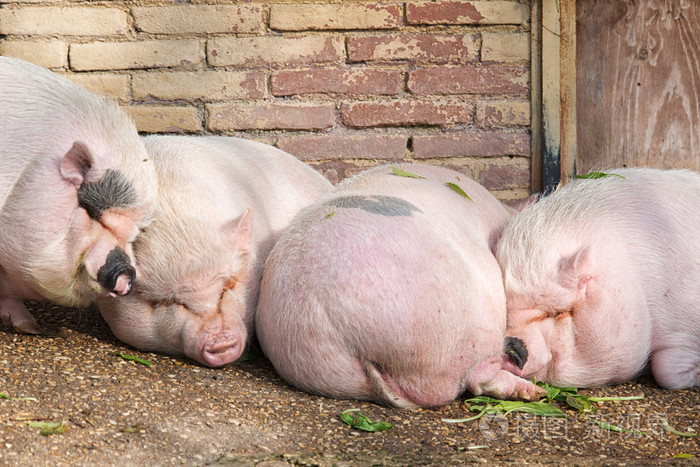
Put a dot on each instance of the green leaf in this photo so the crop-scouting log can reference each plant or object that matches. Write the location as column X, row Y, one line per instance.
column 3, row 396
column 670, row 429
column 403, row 173
column 355, row 419
column 330, row 214
column 456, row 188
column 133, row 358
column 49, row 428
column 611, row 427
column 683, row 455
column 596, row 175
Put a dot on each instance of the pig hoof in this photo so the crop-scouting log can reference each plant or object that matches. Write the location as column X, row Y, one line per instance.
column 117, row 274
column 516, row 351
column 221, row 353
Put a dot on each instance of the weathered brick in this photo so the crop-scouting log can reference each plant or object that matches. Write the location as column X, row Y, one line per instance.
column 68, row 21
column 49, row 54
column 270, row 116
column 273, row 50
column 160, row 119
column 479, row 144
column 506, row 177
column 469, row 80
column 140, row 54
column 502, row 113
column 336, row 80
column 414, row 47
column 318, row 17
column 405, row 112
column 199, row 19
column 446, row 12
column 335, row 147
column 505, row 47
column 204, row 85
column 106, row 84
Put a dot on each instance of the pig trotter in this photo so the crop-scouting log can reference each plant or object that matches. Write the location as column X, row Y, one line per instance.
column 117, row 274
column 516, row 351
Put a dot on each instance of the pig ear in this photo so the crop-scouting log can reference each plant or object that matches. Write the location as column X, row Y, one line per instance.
column 76, row 163
column 239, row 232
column 575, row 270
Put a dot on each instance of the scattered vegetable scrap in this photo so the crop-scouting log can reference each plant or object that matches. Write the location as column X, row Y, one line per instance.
column 457, row 189
column 330, row 214
column 403, row 173
column 133, row 358
column 596, row 175
column 3, row 396
column 355, row 419
column 544, row 408
column 49, row 428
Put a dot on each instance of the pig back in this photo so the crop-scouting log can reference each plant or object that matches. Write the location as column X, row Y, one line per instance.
column 386, row 289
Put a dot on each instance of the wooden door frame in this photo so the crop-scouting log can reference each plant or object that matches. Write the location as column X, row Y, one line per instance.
column 553, row 92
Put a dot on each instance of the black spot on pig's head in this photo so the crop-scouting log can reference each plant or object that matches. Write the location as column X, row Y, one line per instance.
column 112, row 190
column 377, row 204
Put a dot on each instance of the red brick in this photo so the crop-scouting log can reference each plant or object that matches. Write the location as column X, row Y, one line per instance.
column 446, row 12
column 469, row 80
column 335, row 147
column 405, row 112
column 270, row 116
column 263, row 51
column 505, row 177
column 342, row 81
column 414, row 47
column 481, row 144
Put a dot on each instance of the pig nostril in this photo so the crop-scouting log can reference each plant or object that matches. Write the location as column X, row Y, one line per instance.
column 516, row 351
column 117, row 274
column 223, row 352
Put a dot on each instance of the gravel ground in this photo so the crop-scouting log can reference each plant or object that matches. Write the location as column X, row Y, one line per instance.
column 176, row 412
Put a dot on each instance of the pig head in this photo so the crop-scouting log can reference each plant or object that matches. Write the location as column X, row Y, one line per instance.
column 387, row 290
column 601, row 278
column 76, row 186
column 223, row 202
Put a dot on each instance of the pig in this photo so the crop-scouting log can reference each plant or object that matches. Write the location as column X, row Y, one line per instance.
column 603, row 277
column 76, row 186
column 223, row 202
column 387, row 290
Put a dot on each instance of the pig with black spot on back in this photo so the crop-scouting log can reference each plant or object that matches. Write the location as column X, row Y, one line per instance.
column 76, row 186
column 223, row 203
column 603, row 277
column 387, row 290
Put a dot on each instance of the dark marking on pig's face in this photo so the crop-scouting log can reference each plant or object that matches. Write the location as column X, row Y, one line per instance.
column 112, row 190
column 516, row 351
column 117, row 265
column 377, row 204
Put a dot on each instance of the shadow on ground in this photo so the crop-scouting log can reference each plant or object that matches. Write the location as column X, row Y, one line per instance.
column 176, row 412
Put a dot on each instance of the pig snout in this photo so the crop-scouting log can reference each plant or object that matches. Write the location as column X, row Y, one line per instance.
column 516, row 351
column 222, row 349
column 117, row 274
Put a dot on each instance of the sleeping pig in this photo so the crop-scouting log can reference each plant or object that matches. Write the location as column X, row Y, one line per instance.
column 76, row 185
column 604, row 276
column 387, row 290
column 223, row 202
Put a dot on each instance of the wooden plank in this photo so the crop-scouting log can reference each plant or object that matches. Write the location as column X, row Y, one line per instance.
column 551, row 97
column 536, row 95
column 567, row 86
column 638, row 84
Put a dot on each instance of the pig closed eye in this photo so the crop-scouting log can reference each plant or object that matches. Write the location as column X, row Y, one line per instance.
column 562, row 313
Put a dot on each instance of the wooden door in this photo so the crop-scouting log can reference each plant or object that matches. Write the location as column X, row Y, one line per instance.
column 637, row 84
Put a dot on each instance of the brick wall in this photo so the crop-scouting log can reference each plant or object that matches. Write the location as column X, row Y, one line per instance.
column 342, row 85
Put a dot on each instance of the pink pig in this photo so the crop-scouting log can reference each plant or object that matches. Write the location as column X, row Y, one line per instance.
column 387, row 290
column 602, row 277
column 76, row 185
column 223, row 203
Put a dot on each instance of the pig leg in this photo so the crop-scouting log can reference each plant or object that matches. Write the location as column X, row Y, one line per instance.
column 491, row 379
column 676, row 368
column 13, row 312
